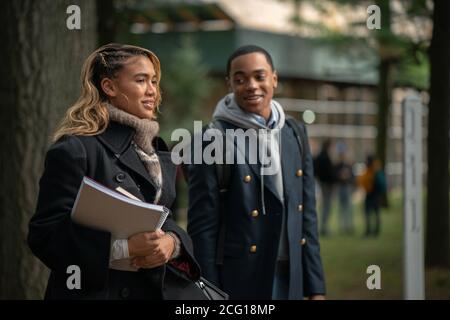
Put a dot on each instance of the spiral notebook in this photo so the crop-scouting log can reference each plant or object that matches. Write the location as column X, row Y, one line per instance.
column 99, row 207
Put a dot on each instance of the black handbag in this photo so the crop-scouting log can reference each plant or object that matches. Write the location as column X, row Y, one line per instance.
column 177, row 286
column 210, row 290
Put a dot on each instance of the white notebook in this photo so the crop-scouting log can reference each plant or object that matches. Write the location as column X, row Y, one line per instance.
column 99, row 207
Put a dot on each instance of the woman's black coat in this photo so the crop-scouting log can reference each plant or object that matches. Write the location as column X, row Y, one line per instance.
column 110, row 159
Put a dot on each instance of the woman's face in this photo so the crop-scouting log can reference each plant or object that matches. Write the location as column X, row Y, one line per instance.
column 134, row 88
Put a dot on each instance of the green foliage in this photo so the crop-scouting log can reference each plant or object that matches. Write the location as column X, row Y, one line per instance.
column 408, row 55
column 414, row 72
column 185, row 86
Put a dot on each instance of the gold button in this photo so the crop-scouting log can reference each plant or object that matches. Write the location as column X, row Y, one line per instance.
column 303, row 241
column 253, row 249
column 300, row 208
column 299, row 173
column 247, row 179
column 255, row 213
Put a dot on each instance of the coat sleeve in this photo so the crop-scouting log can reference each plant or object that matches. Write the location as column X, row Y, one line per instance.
column 53, row 237
column 203, row 217
column 187, row 251
column 313, row 276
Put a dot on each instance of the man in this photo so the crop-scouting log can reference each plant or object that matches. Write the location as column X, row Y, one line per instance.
column 325, row 172
column 258, row 240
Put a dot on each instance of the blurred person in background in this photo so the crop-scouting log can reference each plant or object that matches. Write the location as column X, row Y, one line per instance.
column 373, row 181
column 345, row 181
column 325, row 173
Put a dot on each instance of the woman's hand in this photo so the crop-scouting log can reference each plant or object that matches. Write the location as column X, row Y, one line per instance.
column 144, row 243
column 150, row 249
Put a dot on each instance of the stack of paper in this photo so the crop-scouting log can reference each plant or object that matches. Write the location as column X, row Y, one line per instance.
column 99, row 207
column 123, row 215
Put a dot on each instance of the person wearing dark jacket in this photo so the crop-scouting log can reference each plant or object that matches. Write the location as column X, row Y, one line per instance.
column 271, row 247
column 344, row 182
column 324, row 170
column 111, row 136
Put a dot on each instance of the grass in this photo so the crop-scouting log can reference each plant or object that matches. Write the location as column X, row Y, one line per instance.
column 346, row 258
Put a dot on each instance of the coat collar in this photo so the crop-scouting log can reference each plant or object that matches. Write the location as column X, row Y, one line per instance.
column 117, row 138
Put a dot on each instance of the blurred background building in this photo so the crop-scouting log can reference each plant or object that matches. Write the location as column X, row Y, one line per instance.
column 335, row 80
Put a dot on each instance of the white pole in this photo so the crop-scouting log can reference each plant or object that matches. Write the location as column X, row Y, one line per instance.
column 413, row 258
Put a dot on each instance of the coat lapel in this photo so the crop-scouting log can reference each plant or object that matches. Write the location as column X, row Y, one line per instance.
column 269, row 180
column 117, row 138
column 169, row 173
column 290, row 163
column 131, row 160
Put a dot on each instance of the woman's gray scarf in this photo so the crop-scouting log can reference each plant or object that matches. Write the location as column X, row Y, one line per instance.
column 146, row 130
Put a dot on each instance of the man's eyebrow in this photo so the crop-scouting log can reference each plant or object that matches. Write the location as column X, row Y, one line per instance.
column 240, row 72
column 260, row 71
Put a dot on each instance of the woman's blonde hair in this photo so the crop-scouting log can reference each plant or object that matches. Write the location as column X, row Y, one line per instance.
column 89, row 115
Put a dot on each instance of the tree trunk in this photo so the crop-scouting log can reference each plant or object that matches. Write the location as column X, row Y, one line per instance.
column 384, row 101
column 106, row 22
column 385, row 79
column 41, row 63
column 437, row 233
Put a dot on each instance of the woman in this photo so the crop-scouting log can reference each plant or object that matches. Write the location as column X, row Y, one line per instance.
column 110, row 135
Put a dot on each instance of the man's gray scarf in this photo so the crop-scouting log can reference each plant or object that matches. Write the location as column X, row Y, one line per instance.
column 228, row 110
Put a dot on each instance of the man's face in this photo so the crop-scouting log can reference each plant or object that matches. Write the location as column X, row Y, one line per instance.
column 253, row 81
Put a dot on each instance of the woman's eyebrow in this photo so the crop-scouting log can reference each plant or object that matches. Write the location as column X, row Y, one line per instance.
column 142, row 74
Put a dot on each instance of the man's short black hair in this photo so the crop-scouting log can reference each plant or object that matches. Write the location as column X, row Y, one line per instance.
column 246, row 50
